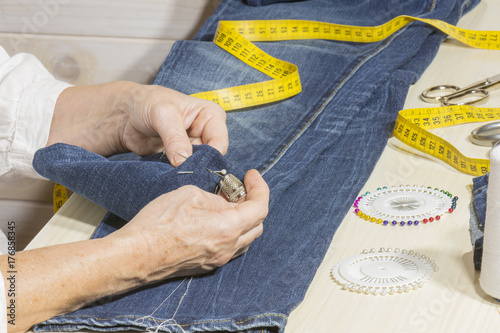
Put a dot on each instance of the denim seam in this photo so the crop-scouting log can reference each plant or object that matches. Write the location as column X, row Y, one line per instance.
column 473, row 209
column 433, row 6
column 188, row 324
column 466, row 3
column 237, row 322
column 341, row 84
column 328, row 100
column 473, row 203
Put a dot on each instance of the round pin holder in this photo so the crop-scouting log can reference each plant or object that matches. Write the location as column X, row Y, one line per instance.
column 386, row 272
column 404, row 205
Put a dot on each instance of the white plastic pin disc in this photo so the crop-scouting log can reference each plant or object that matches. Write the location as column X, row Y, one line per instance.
column 385, row 272
column 405, row 203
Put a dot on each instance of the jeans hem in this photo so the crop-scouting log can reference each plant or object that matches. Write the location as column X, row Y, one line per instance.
column 121, row 323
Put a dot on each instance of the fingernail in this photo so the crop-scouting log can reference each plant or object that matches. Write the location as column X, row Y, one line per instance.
column 180, row 157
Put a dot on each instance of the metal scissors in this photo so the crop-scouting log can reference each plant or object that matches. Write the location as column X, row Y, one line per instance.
column 452, row 95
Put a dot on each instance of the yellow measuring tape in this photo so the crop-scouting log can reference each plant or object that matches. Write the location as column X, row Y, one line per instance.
column 60, row 196
column 412, row 127
column 236, row 37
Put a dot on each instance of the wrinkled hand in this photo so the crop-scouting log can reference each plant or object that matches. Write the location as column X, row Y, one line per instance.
column 124, row 116
column 190, row 231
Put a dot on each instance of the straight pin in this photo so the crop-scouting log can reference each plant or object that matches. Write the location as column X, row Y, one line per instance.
column 220, row 173
column 185, row 157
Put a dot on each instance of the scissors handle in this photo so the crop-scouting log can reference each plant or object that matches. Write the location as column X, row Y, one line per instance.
column 461, row 97
column 453, row 95
column 437, row 93
column 449, row 95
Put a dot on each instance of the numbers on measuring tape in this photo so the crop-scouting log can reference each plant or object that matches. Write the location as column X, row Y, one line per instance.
column 412, row 125
column 60, row 196
column 235, row 37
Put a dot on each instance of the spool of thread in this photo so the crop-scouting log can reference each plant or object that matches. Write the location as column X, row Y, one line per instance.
column 489, row 278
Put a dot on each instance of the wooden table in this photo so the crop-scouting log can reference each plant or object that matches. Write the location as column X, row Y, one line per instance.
column 452, row 300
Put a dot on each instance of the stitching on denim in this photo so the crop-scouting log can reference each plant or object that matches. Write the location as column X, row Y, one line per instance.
column 237, row 322
column 163, row 324
column 329, row 99
column 480, row 225
column 474, row 193
column 466, row 3
column 322, row 107
column 188, row 324
column 433, row 6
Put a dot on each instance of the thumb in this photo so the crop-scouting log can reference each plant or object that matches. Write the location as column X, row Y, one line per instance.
column 174, row 137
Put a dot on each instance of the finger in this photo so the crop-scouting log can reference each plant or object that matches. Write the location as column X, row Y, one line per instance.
column 210, row 127
column 240, row 252
column 248, row 238
column 203, row 200
column 171, row 130
column 251, row 212
column 256, row 186
column 217, row 137
column 215, row 131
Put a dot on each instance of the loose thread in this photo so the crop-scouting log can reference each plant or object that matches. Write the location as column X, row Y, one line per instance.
column 155, row 328
column 182, row 298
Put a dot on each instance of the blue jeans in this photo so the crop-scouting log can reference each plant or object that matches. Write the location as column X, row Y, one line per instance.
column 315, row 150
column 124, row 184
column 478, row 217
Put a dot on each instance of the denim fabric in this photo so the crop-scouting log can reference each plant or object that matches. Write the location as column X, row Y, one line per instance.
column 125, row 183
column 478, row 217
column 315, row 150
column 266, row 2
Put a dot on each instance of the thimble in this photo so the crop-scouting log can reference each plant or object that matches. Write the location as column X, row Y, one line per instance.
column 231, row 187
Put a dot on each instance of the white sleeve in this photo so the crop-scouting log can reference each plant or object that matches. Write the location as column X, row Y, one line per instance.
column 28, row 94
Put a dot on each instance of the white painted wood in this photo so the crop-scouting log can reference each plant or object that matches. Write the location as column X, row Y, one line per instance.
column 166, row 19
column 87, row 60
column 86, row 42
column 76, row 220
column 89, row 41
column 452, row 301
column 29, row 218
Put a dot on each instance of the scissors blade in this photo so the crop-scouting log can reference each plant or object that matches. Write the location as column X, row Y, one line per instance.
column 483, row 84
column 474, row 93
column 492, row 81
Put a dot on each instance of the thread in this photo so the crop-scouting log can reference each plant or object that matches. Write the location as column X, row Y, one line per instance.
column 489, row 278
column 163, row 326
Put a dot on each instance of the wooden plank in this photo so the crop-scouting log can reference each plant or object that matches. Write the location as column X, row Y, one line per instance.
column 167, row 19
column 29, row 217
column 86, row 60
column 75, row 221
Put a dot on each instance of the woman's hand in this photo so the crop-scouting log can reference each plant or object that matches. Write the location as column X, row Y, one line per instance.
column 190, row 231
column 124, row 116
column 184, row 232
